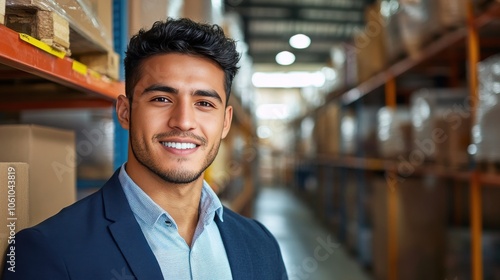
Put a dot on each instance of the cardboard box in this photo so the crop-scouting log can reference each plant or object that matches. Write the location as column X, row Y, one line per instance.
column 2, row 11
column 51, row 156
column 142, row 14
column 102, row 11
column 87, row 34
column 14, row 181
column 327, row 130
column 105, row 63
column 422, row 215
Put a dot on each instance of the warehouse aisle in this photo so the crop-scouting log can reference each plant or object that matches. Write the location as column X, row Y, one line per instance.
column 309, row 250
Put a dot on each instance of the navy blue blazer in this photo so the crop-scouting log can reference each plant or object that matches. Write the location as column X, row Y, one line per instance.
column 99, row 238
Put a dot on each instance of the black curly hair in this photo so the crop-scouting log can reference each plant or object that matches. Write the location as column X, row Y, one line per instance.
column 182, row 36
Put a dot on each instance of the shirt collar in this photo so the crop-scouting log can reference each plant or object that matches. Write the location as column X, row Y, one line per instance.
column 147, row 210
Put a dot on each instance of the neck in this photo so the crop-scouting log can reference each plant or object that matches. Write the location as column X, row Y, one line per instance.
column 181, row 202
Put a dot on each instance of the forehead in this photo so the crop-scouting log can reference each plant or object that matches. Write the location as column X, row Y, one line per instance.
column 175, row 66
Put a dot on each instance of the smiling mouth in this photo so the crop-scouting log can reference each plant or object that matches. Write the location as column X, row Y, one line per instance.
column 179, row 145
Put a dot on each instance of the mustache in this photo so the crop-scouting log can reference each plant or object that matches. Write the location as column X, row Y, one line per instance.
column 182, row 134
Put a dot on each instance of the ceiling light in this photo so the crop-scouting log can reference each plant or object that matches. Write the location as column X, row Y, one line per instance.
column 300, row 41
column 288, row 80
column 285, row 58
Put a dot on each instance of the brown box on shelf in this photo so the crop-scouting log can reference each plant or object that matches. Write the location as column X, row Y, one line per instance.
column 94, row 134
column 103, row 12
column 452, row 152
column 371, row 44
column 46, row 26
column 50, row 154
column 144, row 13
column 422, row 212
column 2, row 11
column 327, row 129
column 14, row 188
column 86, row 34
column 490, row 195
column 418, row 23
column 104, row 63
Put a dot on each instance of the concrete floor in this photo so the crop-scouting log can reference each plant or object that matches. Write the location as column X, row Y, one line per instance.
column 309, row 250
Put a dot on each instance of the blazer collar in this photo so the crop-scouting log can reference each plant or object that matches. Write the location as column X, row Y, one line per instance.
column 127, row 232
column 236, row 247
column 134, row 247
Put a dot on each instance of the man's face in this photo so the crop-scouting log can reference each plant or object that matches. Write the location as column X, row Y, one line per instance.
column 177, row 117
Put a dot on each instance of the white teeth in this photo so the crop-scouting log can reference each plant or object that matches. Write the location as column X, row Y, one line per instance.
column 179, row 146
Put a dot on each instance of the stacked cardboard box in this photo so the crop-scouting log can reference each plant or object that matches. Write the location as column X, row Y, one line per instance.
column 485, row 131
column 94, row 137
column 82, row 28
column 327, row 129
column 393, row 133
column 439, row 116
column 2, row 11
column 50, row 154
column 422, row 213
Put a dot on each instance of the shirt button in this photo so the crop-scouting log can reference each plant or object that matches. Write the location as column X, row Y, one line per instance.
column 168, row 223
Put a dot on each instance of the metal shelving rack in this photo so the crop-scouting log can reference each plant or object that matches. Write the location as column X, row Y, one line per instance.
column 22, row 56
column 21, row 59
column 468, row 36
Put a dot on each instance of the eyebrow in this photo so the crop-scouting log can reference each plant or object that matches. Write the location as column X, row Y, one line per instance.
column 167, row 89
column 208, row 93
column 162, row 88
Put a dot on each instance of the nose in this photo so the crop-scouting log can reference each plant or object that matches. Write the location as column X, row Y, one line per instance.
column 182, row 116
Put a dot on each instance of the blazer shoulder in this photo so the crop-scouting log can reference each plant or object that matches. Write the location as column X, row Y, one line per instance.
column 247, row 226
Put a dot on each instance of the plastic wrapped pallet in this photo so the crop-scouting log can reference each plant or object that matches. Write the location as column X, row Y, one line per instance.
column 389, row 10
column 418, row 22
column 433, row 116
column 90, row 21
column 348, row 132
column 486, row 135
column 306, row 144
column 393, row 133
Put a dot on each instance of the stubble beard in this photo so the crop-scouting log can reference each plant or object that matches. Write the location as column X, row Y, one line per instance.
column 174, row 176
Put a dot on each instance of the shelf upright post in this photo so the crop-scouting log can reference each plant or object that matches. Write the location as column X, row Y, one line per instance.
column 475, row 185
column 392, row 197
column 120, row 39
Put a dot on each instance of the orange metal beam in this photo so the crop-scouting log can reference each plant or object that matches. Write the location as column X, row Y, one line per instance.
column 432, row 49
column 390, row 92
column 392, row 197
column 475, row 185
column 20, row 55
column 392, row 227
column 59, row 104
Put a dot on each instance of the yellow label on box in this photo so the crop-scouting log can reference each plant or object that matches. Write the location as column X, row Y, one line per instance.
column 41, row 45
column 79, row 67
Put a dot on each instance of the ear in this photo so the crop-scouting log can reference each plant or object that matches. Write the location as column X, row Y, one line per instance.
column 228, row 118
column 123, row 111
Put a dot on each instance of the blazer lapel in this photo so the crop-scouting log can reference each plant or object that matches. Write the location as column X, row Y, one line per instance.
column 127, row 232
column 236, row 248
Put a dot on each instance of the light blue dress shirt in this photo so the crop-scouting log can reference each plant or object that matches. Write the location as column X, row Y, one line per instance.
column 205, row 259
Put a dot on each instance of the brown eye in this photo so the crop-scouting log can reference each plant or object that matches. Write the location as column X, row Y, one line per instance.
column 205, row 104
column 160, row 99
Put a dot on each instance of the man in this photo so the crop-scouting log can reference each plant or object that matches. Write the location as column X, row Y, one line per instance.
column 156, row 218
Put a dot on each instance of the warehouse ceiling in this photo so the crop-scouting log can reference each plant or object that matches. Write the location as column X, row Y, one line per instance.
column 269, row 24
